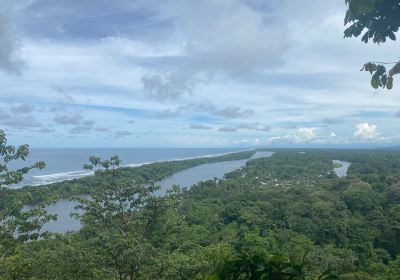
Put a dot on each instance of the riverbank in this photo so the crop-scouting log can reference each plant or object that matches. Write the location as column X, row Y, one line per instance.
column 184, row 178
column 143, row 174
column 67, row 164
column 341, row 168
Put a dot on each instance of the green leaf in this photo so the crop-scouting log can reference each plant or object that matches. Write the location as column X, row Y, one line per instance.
column 40, row 165
column 384, row 79
column 395, row 70
column 389, row 83
column 380, row 70
column 375, row 81
column 370, row 67
column 88, row 166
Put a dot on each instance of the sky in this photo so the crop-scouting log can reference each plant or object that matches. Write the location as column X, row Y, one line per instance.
column 190, row 73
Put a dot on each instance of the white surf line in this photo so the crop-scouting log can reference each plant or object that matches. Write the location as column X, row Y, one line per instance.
column 71, row 175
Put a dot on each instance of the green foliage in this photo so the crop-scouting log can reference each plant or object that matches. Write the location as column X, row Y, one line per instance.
column 380, row 77
column 124, row 225
column 379, row 17
column 337, row 165
column 283, row 217
column 145, row 174
column 9, row 153
column 63, row 257
column 113, row 162
column 393, row 271
column 16, row 226
column 381, row 20
column 257, row 266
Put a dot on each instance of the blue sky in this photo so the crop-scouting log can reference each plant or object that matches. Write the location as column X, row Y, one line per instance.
column 175, row 73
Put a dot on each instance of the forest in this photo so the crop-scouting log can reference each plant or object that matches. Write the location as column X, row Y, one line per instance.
column 288, row 216
column 126, row 74
column 144, row 174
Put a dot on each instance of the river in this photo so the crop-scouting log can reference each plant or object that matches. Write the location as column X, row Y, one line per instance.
column 185, row 178
column 342, row 171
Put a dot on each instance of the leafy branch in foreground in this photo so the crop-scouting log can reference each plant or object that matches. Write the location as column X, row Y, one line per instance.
column 124, row 224
column 16, row 224
column 381, row 19
column 380, row 76
column 9, row 153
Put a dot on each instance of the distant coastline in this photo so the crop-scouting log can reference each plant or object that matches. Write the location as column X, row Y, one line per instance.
column 66, row 164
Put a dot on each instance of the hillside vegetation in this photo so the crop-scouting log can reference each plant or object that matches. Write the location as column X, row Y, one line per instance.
column 284, row 217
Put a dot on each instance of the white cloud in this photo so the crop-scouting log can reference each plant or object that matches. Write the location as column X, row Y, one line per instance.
column 302, row 135
column 365, row 131
column 306, row 133
column 248, row 142
column 8, row 39
column 222, row 45
column 250, row 63
column 228, row 112
column 254, row 126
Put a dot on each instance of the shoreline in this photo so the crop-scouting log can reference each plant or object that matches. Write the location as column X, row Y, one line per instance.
column 74, row 175
column 144, row 174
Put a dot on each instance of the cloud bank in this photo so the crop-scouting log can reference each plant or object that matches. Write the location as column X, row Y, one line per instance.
column 189, row 73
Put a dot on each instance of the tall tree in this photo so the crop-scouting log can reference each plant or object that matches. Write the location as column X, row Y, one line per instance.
column 381, row 20
column 16, row 225
column 125, row 226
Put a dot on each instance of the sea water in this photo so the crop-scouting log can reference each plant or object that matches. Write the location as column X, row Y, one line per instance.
column 184, row 178
column 67, row 164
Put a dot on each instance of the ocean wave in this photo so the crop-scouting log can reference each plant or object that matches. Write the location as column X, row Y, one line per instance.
column 59, row 177
column 138, row 164
column 39, row 180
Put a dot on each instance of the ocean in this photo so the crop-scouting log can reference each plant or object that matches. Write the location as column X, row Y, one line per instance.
column 184, row 178
column 67, row 164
